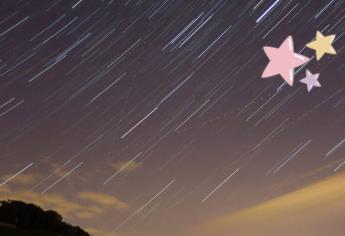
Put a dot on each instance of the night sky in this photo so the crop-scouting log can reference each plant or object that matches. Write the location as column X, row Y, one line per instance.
column 147, row 118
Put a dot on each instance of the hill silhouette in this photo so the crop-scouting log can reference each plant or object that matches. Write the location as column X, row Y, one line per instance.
column 18, row 218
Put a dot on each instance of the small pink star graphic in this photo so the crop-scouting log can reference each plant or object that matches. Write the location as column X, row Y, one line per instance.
column 283, row 61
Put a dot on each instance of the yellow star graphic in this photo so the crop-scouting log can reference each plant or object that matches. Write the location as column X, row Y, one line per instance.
column 322, row 45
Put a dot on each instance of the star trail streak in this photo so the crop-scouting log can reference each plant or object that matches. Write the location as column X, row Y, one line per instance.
column 61, row 178
column 219, row 186
column 12, row 177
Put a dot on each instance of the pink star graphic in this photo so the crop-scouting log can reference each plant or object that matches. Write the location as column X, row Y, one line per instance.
column 283, row 61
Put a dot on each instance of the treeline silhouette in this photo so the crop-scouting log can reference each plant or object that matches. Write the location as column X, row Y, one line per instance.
column 31, row 217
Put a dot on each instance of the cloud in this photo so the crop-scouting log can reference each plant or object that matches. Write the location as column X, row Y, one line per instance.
column 103, row 199
column 99, row 232
column 5, row 190
column 47, row 201
column 315, row 210
column 68, row 207
column 94, row 231
column 83, row 206
column 128, row 166
column 85, row 215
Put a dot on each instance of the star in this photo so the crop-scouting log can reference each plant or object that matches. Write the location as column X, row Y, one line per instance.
column 283, row 61
column 322, row 45
column 311, row 80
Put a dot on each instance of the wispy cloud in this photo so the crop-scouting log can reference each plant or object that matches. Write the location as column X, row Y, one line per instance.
column 98, row 232
column 73, row 207
column 126, row 167
column 312, row 210
column 102, row 199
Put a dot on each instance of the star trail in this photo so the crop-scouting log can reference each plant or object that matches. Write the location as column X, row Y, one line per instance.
column 136, row 117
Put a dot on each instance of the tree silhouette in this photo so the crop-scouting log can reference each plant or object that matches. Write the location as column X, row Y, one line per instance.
column 31, row 217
